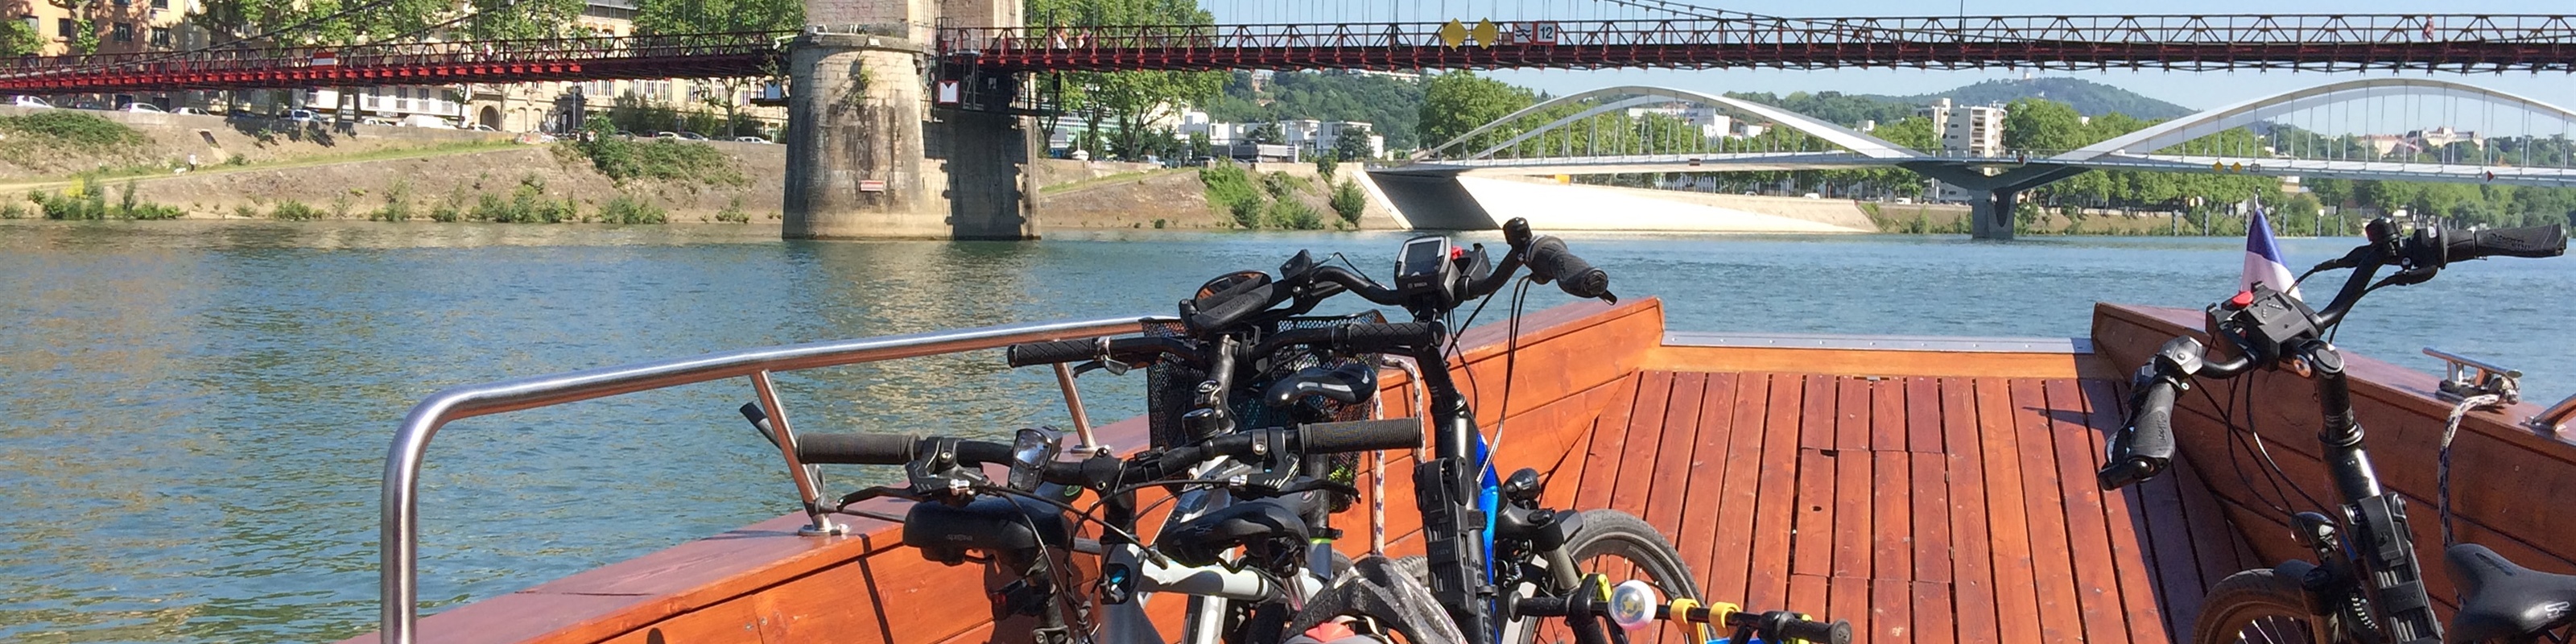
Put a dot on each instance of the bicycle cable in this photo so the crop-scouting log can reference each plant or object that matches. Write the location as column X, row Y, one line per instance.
column 2265, row 450
column 1511, row 357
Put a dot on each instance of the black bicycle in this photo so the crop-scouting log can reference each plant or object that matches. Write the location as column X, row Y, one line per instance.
column 2365, row 583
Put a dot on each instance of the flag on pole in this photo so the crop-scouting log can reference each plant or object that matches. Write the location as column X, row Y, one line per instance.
column 2263, row 257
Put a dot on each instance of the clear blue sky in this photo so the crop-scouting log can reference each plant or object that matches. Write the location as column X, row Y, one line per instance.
column 2197, row 90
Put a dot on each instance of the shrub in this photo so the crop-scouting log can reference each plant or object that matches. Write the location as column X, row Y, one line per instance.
column 1348, row 201
column 624, row 160
column 292, row 210
column 397, row 203
column 246, row 211
column 12, row 210
column 626, row 209
column 1292, row 214
column 340, row 206
column 83, row 201
column 733, row 213
column 1279, row 184
column 1229, row 187
column 1158, row 224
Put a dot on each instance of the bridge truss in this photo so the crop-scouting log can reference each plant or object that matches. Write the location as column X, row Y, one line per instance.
column 713, row 55
column 2452, row 43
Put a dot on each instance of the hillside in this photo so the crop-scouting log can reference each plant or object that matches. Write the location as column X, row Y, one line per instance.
column 1390, row 106
column 2088, row 97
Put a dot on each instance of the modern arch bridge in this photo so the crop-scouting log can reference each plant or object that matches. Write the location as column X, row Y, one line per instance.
column 1549, row 148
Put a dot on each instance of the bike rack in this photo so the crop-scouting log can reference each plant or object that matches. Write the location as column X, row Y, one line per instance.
column 400, row 525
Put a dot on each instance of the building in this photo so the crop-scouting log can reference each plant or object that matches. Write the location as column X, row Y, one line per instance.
column 122, row 27
column 1966, row 131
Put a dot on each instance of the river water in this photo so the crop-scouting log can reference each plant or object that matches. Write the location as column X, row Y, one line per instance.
column 193, row 415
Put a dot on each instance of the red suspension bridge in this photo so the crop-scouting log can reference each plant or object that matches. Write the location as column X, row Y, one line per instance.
column 2447, row 43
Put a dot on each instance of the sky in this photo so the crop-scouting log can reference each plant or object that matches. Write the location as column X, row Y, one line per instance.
column 2196, row 90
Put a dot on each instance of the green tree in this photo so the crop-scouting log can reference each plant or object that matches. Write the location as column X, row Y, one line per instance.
column 1457, row 102
column 2042, row 125
column 18, row 39
column 1353, row 144
column 1266, row 134
column 1128, row 99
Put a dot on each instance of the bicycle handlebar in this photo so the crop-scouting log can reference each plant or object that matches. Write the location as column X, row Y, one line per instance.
column 2533, row 241
column 1313, row 438
column 2145, row 446
column 1119, row 349
column 1548, row 260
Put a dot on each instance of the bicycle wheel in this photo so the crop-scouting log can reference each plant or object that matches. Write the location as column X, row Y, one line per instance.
column 1615, row 544
column 2257, row 606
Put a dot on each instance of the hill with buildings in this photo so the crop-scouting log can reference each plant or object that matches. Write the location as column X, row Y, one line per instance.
column 2088, row 97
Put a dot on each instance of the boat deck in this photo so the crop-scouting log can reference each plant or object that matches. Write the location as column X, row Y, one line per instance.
column 1922, row 509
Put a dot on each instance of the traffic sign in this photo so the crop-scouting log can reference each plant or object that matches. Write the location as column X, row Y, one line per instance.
column 871, row 185
column 1485, row 32
column 1543, row 33
column 1453, row 34
column 948, row 93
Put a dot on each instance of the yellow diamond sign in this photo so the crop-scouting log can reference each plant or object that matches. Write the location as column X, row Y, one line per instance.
column 1453, row 34
column 1485, row 32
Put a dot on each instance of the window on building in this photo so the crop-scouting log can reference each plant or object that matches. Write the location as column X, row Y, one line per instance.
column 160, row 37
column 123, row 32
column 160, row 4
column 64, row 27
column 124, row 3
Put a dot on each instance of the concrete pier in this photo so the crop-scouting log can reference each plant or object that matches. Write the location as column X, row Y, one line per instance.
column 869, row 156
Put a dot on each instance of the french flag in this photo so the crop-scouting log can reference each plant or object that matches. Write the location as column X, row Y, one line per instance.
column 2263, row 257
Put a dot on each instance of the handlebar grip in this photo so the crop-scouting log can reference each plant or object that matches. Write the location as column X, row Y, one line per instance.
column 1374, row 338
column 2143, row 448
column 856, row 449
column 1360, row 435
column 1549, row 260
column 2532, row 241
column 1838, row 632
column 1059, row 351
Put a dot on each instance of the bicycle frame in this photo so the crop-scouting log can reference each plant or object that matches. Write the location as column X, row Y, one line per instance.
column 2373, row 581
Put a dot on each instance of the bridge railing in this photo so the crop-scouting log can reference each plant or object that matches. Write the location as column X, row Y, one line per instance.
column 530, row 50
column 2305, row 30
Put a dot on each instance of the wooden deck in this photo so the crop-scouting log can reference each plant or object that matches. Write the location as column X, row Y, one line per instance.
column 1922, row 509
column 1946, row 497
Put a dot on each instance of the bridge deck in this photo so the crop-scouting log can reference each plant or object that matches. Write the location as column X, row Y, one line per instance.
column 1921, row 509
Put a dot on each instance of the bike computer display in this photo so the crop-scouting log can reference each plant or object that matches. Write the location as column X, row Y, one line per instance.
column 1424, row 266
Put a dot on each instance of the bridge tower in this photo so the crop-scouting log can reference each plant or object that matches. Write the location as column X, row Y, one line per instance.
column 869, row 156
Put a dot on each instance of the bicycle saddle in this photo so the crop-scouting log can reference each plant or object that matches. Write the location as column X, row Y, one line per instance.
column 1347, row 384
column 1258, row 523
column 2503, row 601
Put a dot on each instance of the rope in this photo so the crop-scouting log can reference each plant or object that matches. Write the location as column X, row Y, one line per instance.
column 2442, row 474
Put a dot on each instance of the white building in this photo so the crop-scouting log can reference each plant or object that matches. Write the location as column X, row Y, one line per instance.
column 1966, row 130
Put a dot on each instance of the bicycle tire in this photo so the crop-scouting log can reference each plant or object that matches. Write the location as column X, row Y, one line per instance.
column 1607, row 533
column 2260, row 601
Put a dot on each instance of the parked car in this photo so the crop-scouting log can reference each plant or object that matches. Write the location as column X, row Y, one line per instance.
column 626, row 134
column 89, row 105
column 23, row 100
column 370, row 120
column 749, row 139
column 667, row 136
column 145, row 107
column 301, row 116
column 427, row 121
column 478, row 127
column 693, row 136
column 188, row 110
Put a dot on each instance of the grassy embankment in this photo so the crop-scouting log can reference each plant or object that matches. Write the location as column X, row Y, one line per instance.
column 623, row 161
column 1280, row 200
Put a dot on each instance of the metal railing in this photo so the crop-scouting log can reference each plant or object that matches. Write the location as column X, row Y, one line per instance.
column 400, row 527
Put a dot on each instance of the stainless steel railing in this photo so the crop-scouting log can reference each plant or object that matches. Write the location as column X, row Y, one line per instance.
column 400, row 529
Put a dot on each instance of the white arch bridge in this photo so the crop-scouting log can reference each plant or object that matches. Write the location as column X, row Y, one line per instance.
column 2298, row 145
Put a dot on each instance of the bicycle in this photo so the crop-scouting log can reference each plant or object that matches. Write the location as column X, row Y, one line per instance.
column 2364, row 584
column 1470, row 516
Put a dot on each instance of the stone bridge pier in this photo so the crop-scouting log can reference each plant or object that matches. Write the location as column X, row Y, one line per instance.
column 868, row 154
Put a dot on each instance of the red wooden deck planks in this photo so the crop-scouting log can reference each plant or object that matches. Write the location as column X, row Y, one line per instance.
column 2129, row 557
column 1971, row 537
column 1708, row 469
column 2052, row 565
column 2008, row 524
column 1775, row 501
column 1731, row 557
column 2097, row 587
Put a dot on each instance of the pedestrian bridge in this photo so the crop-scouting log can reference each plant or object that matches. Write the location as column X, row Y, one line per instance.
column 2410, row 129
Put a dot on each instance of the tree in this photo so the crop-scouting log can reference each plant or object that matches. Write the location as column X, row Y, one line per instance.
column 1130, row 99
column 18, row 39
column 2042, row 125
column 657, row 17
column 1460, row 101
column 1199, row 145
column 1325, row 162
column 1266, row 134
column 1353, row 144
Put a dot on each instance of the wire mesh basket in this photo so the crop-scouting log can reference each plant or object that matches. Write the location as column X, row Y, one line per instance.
column 1170, row 388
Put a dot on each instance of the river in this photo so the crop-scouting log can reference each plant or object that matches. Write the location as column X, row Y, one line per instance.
column 193, row 415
